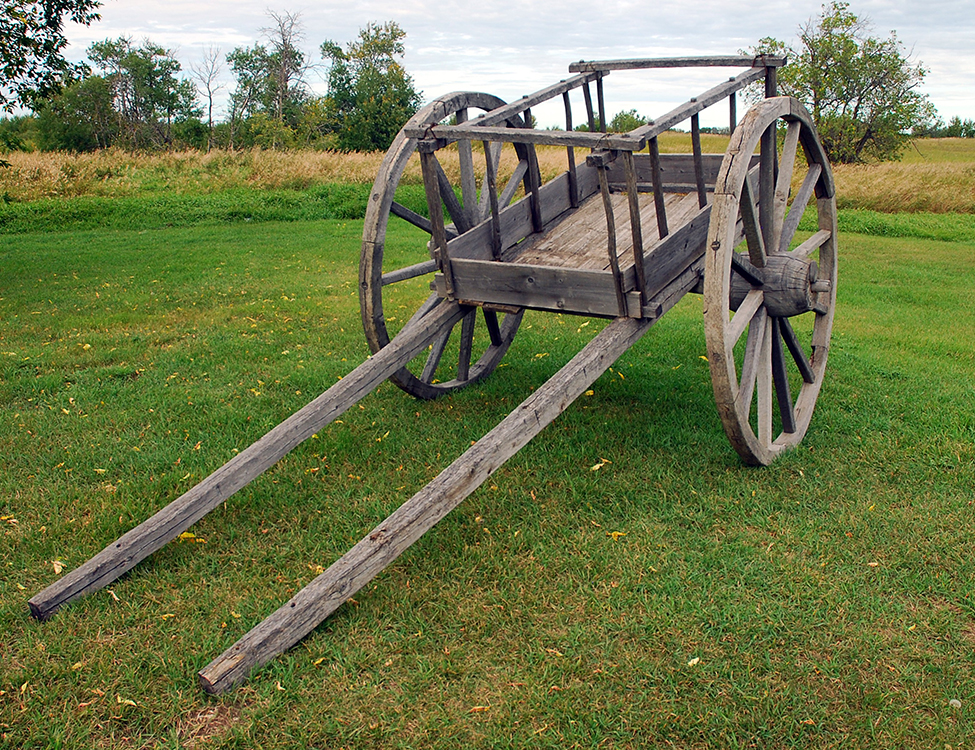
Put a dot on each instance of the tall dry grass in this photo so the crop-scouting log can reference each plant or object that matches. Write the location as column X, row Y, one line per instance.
column 937, row 176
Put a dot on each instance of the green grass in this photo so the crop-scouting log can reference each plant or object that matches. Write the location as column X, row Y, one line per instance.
column 331, row 201
column 827, row 600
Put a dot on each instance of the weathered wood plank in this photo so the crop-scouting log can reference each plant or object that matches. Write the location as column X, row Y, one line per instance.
column 587, row 290
column 728, row 61
column 699, row 178
column 658, row 192
column 127, row 551
column 636, row 225
column 583, row 291
column 409, row 272
column 502, row 114
column 678, row 172
column 422, row 512
column 515, row 221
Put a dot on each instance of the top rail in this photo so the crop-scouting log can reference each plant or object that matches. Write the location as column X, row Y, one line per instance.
column 485, row 128
column 725, row 61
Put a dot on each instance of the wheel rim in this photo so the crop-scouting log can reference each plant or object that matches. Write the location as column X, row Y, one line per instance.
column 769, row 299
column 476, row 345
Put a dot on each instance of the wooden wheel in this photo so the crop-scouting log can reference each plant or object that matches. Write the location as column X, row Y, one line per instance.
column 484, row 336
column 768, row 299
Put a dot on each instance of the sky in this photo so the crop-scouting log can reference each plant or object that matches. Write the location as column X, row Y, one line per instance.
column 516, row 47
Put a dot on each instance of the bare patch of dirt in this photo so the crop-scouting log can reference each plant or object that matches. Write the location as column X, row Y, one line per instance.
column 196, row 727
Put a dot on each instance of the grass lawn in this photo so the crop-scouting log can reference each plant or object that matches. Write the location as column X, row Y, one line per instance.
column 670, row 597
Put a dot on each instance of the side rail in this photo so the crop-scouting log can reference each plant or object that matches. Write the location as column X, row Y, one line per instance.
column 512, row 124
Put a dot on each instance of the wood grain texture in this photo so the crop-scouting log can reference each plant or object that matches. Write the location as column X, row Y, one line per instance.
column 728, row 61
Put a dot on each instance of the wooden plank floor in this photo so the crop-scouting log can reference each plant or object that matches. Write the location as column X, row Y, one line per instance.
column 578, row 240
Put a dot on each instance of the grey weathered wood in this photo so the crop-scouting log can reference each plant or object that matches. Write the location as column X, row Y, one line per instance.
column 447, row 194
column 491, row 183
column 658, row 192
column 466, row 345
column 635, row 140
column 409, row 272
column 590, row 115
column 508, row 111
column 791, row 287
column 783, row 183
column 326, row 593
column 768, row 164
column 515, row 220
column 727, row 61
column 130, row 549
column 678, row 172
column 795, row 348
column 570, row 154
column 757, row 253
column 511, row 187
column 699, row 181
column 582, row 291
column 432, row 185
column 636, row 228
column 791, row 222
column 811, row 245
column 614, row 262
column 382, row 204
column 585, row 290
column 780, row 377
column 601, row 102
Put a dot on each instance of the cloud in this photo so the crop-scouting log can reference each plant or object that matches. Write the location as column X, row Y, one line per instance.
column 512, row 50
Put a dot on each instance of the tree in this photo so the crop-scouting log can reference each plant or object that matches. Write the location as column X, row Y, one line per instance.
column 207, row 76
column 624, row 122
column 135, row 100
column 370, row 95
column 80, row 118
column 32, row 66
column 270, row 83
column 861, row 90
column 288, row 91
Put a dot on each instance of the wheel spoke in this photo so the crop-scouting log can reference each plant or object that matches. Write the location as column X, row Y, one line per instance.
column 422, row 222
column 783, row 182
column 409, row 272
column 791, row 222
column 742, row 266
column 746, row 311
column 781, row 380
column 449, row 198
column 811, row 245
column 494, row 328
column 468, row 182
column 753, row 232
column 433, row 359
column 764, row 378
column 512, row 185
column 466, row 345
column 492, row 158
column 795, row 348
column 749, row 364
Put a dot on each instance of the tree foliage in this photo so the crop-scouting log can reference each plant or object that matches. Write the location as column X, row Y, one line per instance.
column 269, row 99
column 135, row 100
column 862, row 91
column 32, row 66
column 627, row 120
column 370, row 94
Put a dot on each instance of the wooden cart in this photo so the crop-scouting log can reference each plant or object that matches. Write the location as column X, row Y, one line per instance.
column 622, row 234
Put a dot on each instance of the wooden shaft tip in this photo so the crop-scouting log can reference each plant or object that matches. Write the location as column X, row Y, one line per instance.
column 39, row 611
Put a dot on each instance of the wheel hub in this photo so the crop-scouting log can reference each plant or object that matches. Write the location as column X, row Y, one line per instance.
column 788, row 286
